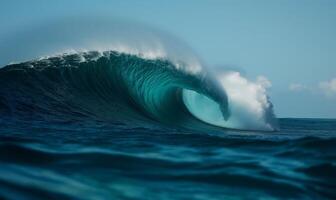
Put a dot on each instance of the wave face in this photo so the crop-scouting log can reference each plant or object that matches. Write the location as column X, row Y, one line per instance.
column 117, row 87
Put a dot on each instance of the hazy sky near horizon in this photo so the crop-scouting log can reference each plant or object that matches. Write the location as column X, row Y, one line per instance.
column 292, row 43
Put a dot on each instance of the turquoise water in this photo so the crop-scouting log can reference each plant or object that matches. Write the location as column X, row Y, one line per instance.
column 120, row 127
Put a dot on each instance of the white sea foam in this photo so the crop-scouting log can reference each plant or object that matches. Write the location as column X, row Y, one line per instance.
column 249, row 105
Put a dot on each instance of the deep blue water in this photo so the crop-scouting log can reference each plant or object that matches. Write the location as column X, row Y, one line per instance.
column 116, row 127
column 94, row 160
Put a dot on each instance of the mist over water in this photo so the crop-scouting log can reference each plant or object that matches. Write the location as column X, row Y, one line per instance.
column 95, row 34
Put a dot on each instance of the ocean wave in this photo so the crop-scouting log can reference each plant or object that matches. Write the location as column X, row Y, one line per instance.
column 132, row 89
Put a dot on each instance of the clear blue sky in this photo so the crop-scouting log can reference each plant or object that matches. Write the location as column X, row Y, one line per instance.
column 292, row 43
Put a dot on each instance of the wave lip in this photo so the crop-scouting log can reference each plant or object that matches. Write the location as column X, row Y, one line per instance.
column 121, row 87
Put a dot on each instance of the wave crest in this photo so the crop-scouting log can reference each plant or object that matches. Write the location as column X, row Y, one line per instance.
column 131, row 89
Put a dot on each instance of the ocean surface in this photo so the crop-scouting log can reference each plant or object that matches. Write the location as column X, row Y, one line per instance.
column 117, row 126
